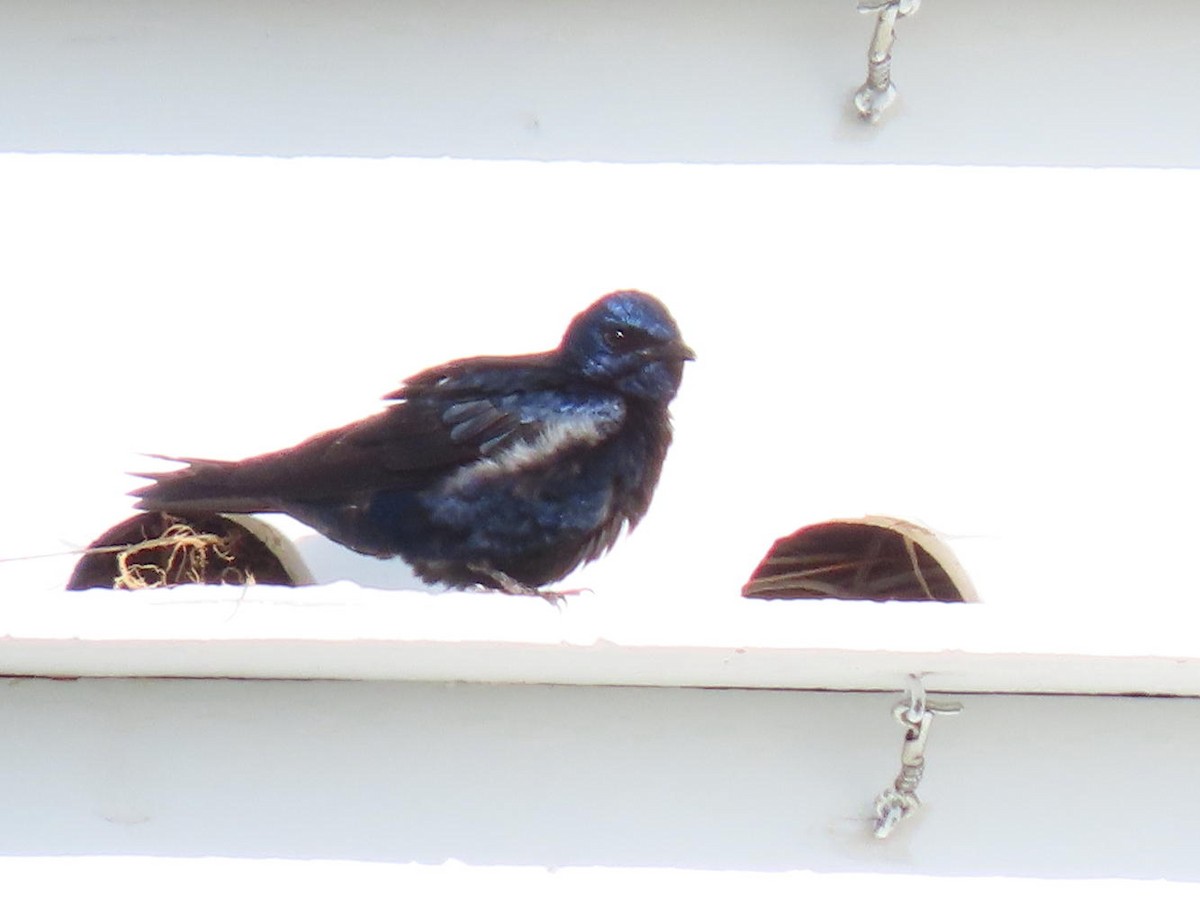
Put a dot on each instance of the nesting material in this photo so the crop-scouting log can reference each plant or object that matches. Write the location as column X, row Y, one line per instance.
column 158, row 549
column 874, row 558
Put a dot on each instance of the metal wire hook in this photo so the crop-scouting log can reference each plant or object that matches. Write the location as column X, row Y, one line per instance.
column 913, row 711
column 878, row 91
column 915, row 714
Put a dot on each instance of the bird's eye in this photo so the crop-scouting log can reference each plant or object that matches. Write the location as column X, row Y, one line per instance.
column 614, row 337
column 628, row 339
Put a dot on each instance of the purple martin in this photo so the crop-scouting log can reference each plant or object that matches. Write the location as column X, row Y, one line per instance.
column 506, row 472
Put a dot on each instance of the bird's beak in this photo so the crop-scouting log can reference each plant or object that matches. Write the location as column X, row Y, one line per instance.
column 676, row 351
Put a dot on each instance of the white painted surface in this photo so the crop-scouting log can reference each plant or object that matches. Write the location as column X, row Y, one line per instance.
column 154, row 876
column 536, row 779
column 346, row 632
column 1021, row 82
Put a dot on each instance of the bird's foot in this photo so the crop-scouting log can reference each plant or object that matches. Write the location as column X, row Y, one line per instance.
column 502, row 581
column 558, row 599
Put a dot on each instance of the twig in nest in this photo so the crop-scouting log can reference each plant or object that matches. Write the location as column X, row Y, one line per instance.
column 191, row 553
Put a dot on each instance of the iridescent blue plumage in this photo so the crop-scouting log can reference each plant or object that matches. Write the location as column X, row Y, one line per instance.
column 507, row 472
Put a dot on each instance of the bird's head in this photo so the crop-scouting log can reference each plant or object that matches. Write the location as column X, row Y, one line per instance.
column 630, row 341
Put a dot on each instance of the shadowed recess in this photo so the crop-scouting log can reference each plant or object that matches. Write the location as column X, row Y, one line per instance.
column 868, row 559
column 156, row 549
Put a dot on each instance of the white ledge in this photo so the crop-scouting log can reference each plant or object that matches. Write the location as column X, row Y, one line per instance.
column 910, row 376
column 344, row 631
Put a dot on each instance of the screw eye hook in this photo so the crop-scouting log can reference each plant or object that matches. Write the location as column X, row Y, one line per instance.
column 878, row 91
column 914, row 713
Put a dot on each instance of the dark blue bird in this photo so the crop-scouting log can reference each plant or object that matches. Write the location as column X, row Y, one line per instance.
column 506, row 472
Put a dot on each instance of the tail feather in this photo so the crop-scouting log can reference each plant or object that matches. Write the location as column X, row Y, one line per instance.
column 204, row 485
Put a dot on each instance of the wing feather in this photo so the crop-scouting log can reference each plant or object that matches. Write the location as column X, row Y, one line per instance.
column 513, row 409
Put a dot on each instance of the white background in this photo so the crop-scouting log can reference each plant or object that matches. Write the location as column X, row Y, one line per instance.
column 1009, row 362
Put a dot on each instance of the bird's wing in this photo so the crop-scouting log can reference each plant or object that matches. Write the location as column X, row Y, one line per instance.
column 444, row 418
column 483, row 409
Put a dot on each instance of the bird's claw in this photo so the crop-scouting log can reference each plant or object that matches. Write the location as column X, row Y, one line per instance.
column 558, row 599
column 502, row 581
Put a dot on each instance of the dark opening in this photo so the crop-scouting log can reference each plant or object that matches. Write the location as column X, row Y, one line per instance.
column 867, row 559
column 157, row 549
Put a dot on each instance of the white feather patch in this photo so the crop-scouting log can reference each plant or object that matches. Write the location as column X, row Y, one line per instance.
column 577, row 431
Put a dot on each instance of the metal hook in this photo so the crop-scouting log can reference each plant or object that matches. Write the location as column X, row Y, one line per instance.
column 878, row 91
column 915, row 714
